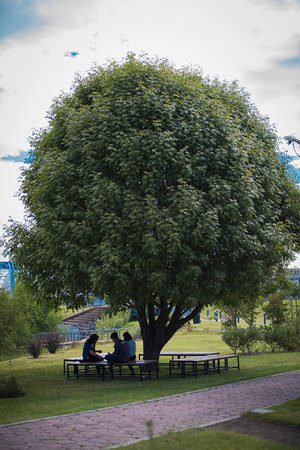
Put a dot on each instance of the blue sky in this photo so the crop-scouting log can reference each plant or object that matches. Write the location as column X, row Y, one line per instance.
column 44, row 43
column 18, row 17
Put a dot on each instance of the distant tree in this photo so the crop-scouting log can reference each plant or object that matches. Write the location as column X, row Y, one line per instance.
column 292, row 140
column 158, row 187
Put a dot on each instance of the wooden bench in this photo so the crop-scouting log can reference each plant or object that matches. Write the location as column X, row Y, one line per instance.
column 84, row 368
column 106, row 370
column 147, row 368
column 74, row 359
column 205, row 364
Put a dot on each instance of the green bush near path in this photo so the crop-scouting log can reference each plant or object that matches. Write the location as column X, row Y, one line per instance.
column 49, row 393
column 206, row 440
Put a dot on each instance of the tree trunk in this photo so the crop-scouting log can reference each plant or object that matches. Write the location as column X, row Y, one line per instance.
column 152, row 347
column 156, row 333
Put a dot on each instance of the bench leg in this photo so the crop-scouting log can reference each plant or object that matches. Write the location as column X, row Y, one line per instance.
column 68, row 372
column 182, row 370
column 141, row 373
column 218, row 366
column 103, row 373
column 226, row 363
column 238, row 359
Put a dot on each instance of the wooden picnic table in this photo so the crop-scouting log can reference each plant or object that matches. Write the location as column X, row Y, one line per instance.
column 181, row 354
column 208, row 363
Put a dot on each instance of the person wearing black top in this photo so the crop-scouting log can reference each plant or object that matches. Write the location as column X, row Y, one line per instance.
column 120, row 354
column 89, row 353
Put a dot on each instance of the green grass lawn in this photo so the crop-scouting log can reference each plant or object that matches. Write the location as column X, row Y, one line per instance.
column 287, row 413
column 49, row 393
column 206, row 440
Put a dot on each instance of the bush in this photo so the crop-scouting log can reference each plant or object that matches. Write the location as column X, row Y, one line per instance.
column 231, row 337
column 52, row 341
column 243, row 339
column 13, row 327
column 271, row 338
column 249, row 337
column 113, row 321
column 21, row 315
column 9, row 387
column 281, row 337
column 287, row 338
column 34, row 347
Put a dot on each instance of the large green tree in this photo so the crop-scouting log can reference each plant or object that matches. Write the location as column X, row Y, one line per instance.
column 159, row 188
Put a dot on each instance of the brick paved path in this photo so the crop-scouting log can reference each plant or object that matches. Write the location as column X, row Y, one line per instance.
column 112, row 426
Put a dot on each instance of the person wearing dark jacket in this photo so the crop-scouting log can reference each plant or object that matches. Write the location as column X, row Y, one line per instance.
column 89, row 353
column 120, row 354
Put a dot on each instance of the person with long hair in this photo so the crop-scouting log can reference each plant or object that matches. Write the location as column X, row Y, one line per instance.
column 131, row 346
column 89, row 353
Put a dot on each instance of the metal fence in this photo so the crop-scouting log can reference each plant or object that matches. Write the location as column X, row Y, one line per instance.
column 74, row 332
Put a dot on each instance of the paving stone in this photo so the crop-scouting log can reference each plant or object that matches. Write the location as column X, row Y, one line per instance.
column 128, row 423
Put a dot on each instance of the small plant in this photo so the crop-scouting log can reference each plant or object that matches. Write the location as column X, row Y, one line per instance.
column 9, row 387
column 231, row 337
column 52, row 341
column 34, row 347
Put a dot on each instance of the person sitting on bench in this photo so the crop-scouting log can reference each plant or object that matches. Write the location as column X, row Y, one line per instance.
column 131, row 346
column 89, row 353
column 120, row 354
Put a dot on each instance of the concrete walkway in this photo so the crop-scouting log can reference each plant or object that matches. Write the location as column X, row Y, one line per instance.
column 123, row 424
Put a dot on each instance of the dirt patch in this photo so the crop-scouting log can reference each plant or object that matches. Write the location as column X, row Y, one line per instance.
column 283, row 434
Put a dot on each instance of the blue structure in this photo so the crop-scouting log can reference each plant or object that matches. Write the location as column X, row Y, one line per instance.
column 7, row 275
column 98, row 301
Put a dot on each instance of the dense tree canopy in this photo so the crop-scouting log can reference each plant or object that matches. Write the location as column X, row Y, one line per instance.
column 158, row 187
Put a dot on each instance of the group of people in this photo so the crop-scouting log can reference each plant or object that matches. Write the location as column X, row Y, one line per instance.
column 124, row 350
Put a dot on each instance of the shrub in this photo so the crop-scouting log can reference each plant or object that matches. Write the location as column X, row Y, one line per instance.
column 249, row 337
column 34, row 347
column 231, row 337
column 113, row 321
column 243, row 339
column 21, row 315
column 13, row 327
column 9, row 387
column 287, row 338
column 271, row 339
column 52, row 341
column 281, row 336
